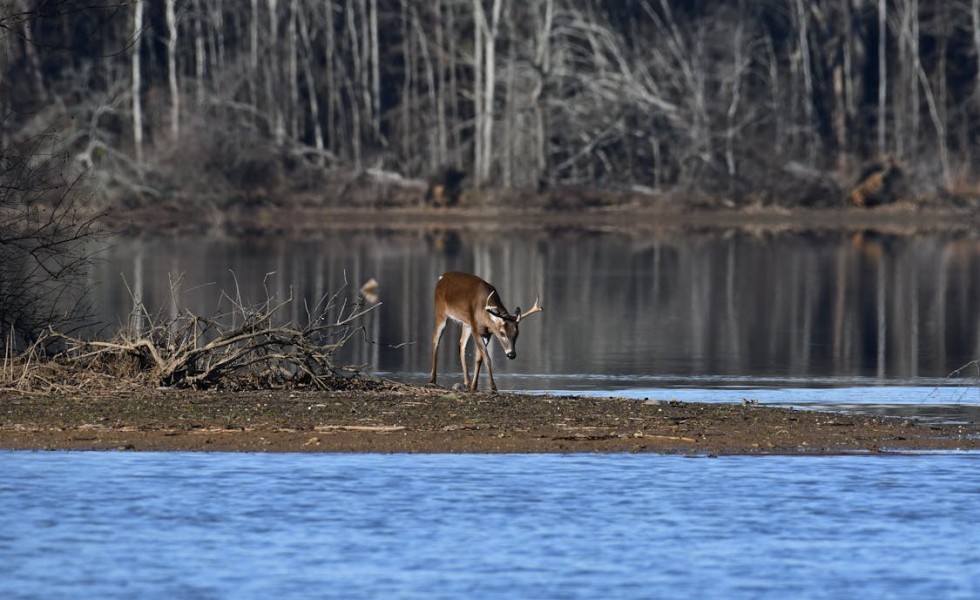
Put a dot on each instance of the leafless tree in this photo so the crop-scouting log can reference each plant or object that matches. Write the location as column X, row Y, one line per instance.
column 47, row 244
column 653, row 93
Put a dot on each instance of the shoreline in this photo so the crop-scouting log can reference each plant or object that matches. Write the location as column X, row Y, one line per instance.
column 406, row 419
column 311, row 220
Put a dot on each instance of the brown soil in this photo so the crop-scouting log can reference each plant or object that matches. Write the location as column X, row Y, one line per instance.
column 414, row 419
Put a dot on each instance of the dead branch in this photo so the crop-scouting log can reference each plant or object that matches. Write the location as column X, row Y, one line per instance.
column 188, row 350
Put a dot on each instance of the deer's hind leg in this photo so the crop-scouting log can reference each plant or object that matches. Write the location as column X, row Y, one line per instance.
column 483, row 354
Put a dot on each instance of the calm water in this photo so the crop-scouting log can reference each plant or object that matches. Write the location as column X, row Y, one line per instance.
column 112, row 525
column 621, row 311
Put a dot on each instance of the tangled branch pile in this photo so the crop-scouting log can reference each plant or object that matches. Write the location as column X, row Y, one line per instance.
column 246, row 346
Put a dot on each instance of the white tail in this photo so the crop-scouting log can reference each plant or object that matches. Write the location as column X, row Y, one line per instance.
column 476, row 305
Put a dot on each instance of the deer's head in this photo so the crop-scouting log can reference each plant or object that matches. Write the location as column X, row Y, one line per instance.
column 505, row 326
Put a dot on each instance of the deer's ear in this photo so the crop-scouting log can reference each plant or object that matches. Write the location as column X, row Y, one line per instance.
column 494, row 312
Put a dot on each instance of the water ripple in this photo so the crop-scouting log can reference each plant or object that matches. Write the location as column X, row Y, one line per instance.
column 248, row 526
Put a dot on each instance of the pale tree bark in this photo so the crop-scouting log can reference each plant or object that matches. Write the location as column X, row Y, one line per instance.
column 253, row 80
column 490, row 80
column 486, row 34
column 271, row 78
column 292, row 63
column 363, row 51
column 137, row 107
column 510, row 102
column 914, row 47
column 733, row 106
column 199, row 53
column 882, row 76
column 478, row 75
column 442, row 138
column 375, row 70
column 172, row 69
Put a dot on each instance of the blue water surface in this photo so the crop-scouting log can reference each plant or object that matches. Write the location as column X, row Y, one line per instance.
column 183, row 525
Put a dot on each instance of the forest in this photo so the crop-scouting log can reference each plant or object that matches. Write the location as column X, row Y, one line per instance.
column 726, row 98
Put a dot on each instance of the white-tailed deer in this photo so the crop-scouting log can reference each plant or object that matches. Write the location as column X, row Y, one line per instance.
column 476, row 305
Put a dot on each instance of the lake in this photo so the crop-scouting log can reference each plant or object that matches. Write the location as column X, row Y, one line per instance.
column 118, row 525
column 622, row 310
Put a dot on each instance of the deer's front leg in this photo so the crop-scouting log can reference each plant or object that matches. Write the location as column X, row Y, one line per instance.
column 477, row 365
column 464, row 338
column 485, row 354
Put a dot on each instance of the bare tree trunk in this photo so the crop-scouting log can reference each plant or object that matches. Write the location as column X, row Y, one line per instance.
column 442, row 136
column 199, row 53
column 433, row 155
column 808, row 112
column 486, row 36
column 938, row 122
column 364, row 60
column 254, row 55
column 900, row 101
column 975, row 17
column 333, row 84
column 914, row 44
column 171, row 17
column 882, row 76
column 271, row 78
column 942, row 87
column 292, row 49
column 219, row 26
column 407, row 76
column 30, row 51
column 490, row 80
column 356, row 84
column 736, row 95
column 311, row 85
column 510, row 103
column 457, row 144
column 543, row 62
column 137, row 107
column 375, row 71
column 478, row 75
column 839, row 82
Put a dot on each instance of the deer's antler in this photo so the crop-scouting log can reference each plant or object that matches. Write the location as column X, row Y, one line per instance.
column 534, row 309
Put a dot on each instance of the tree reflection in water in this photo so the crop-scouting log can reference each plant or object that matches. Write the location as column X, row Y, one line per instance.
column 696, row 304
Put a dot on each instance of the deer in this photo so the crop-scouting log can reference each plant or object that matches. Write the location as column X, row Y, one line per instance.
column 476, row 305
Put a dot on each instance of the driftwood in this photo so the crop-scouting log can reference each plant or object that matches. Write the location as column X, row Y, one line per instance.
column 189, row 350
